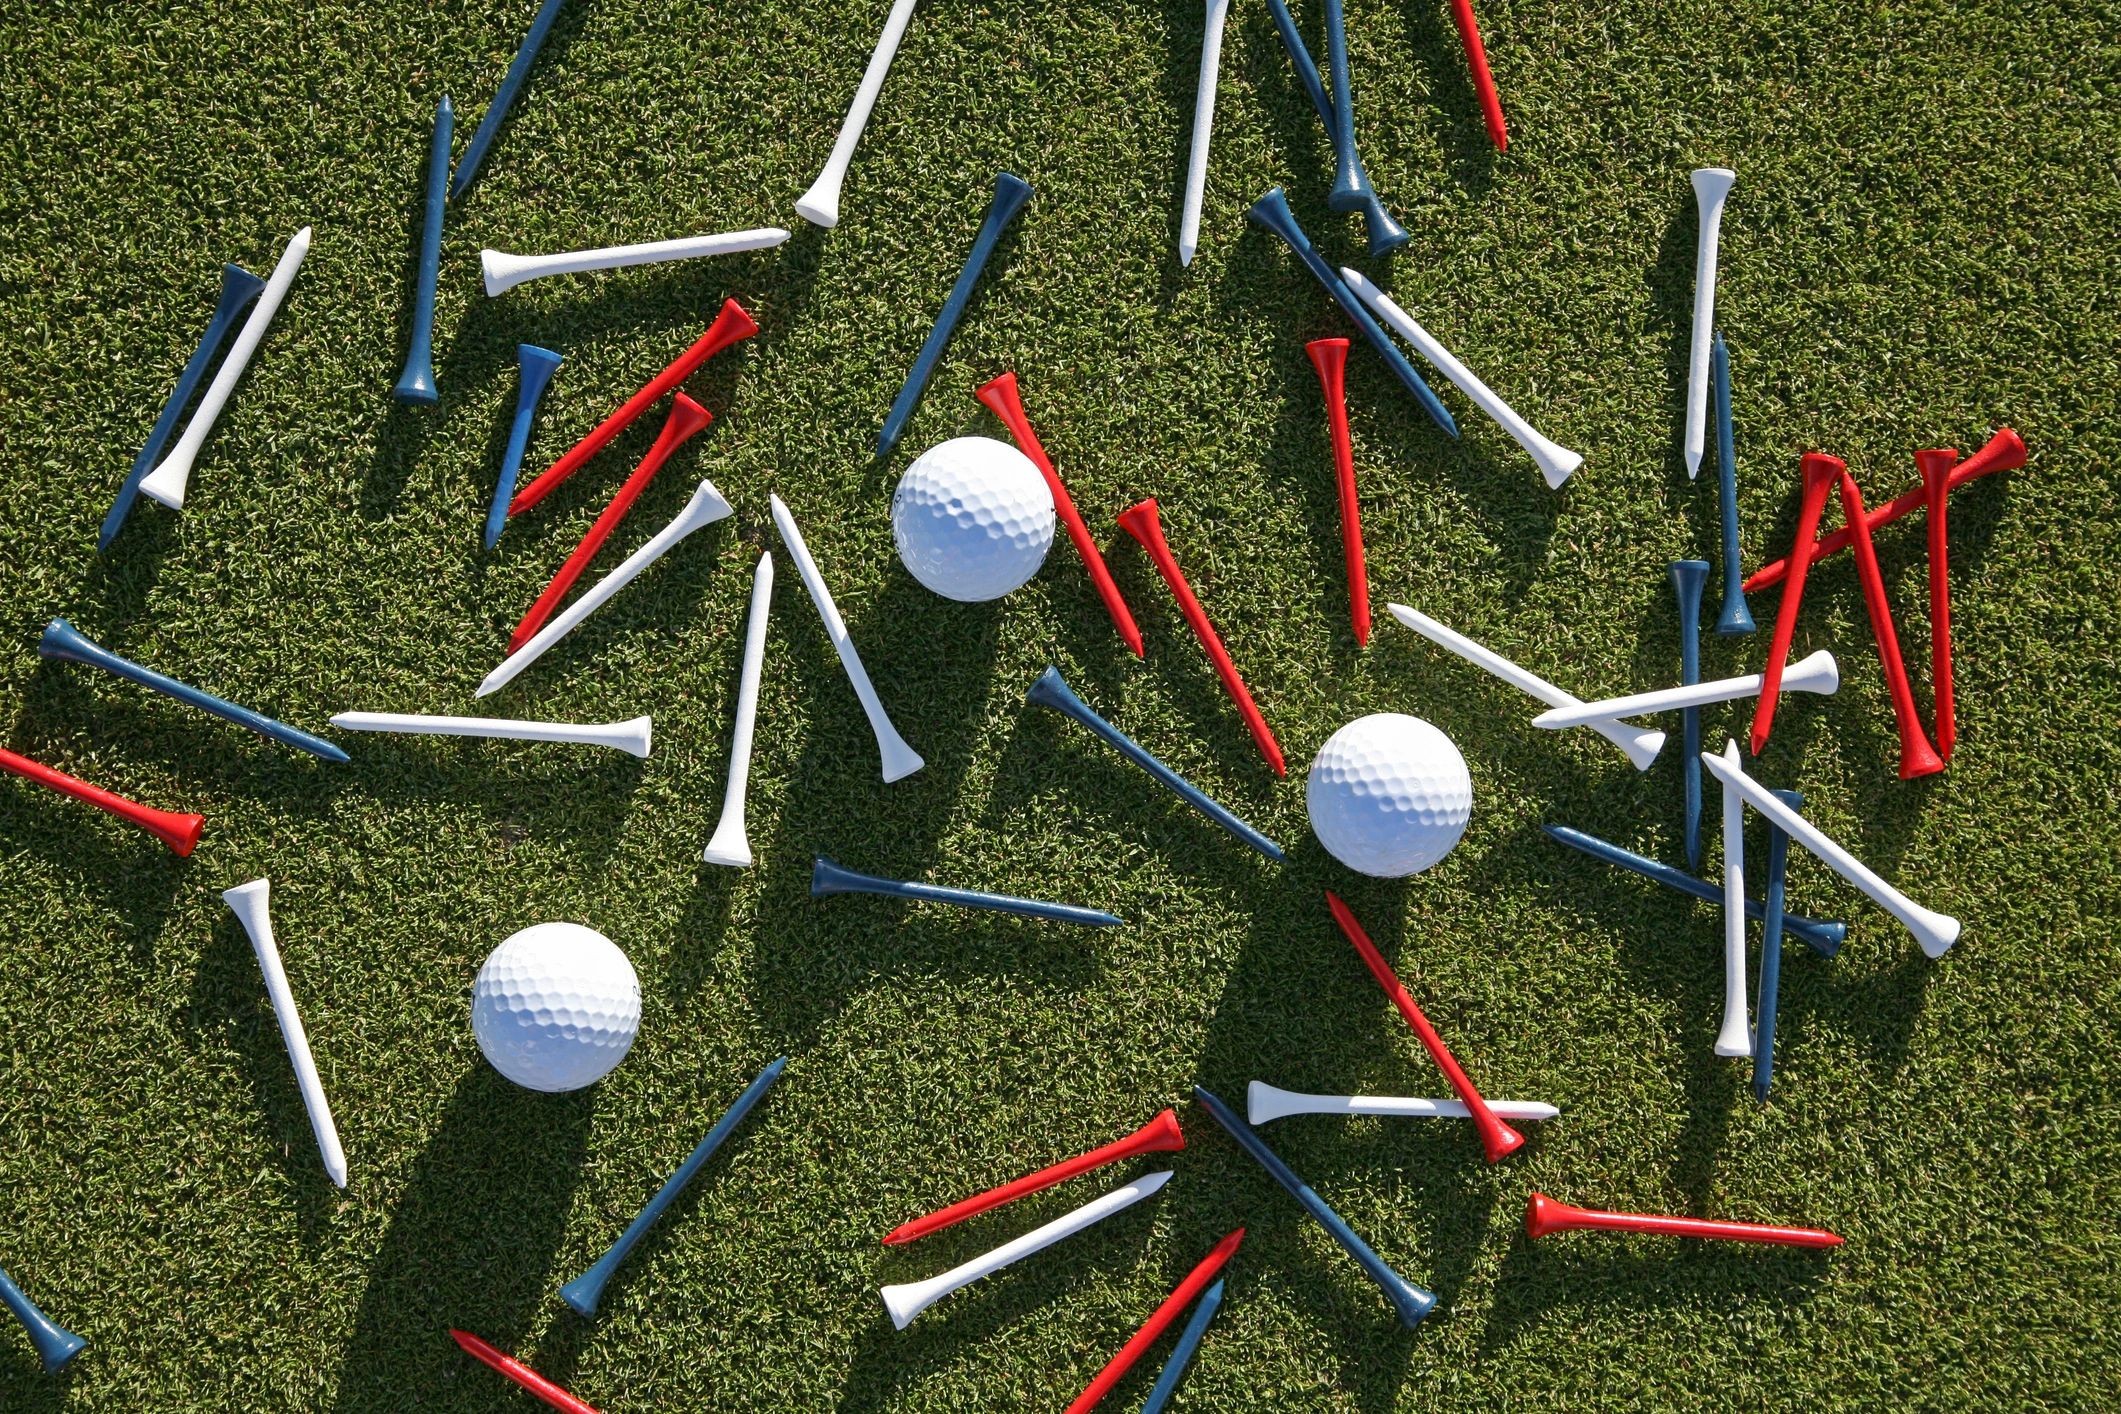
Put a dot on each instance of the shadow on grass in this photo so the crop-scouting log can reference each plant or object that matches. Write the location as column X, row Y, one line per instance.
column 839, row 808
column 1669, row 282
column 29, row 1389
column 470, row 1220
column 229, row 1004
column 1453, row 115
column 885, row 1359
column 140, row 874
column 583, row 791
column 119, row 580
column 1052, row 757
column 1299, row 982
column 1562, row 1276
column 1177, row 86
column 677, row 300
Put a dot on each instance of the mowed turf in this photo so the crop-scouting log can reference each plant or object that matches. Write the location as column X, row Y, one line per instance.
column 1918, row 251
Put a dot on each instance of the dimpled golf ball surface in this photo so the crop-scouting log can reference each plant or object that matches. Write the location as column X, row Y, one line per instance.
column 1389, row 795
column 973, row 519
column 556, row 1007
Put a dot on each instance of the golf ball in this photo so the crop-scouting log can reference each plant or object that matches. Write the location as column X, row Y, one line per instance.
column 973, row 519
column 556, row 1007
column 1389, row 795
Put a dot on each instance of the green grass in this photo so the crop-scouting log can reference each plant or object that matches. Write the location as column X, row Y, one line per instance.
column 1911, row 258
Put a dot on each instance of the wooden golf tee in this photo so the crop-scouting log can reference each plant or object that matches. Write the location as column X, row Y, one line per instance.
column 537, row 366
column 1818, row 472
column 1688, row 579
column 1329, row 358
column 1211, row 48
column 730, row 844
column 1816, row 672
column 2004, row 452
column 1140, row 521
column 1010, row 194
column 63, row 641
column 56, row 1345
column 1386, row 234
column 172, row 475
column 179, row 832
column 828, row 879
column 1735, row 618
column 522, row 1374
column 1483, row 81
column 705, row 508
column 686, row 418
column 634, row 736
column 1496, row 1138
column 905, row 1300
column 238, row 288
column 1349, row 178
column 504, row 96
column 1771, row 930
column 731, row 326
column 1936, row 468
column 585, row 1291
column 416, row 384
column 1050, row 690
column 1196, row 1281
column 1412, row 1303
column 1001, row 398
column 1158, row 1134
column 1735, row 1036
column 1556, row 463
column 503, row 270
column 1712, row 188
column 820, row 205
column 252, row 905
column 1183, row 1349
column 1639, row 744
column 1917, row 756
column 1934, row 931
column 895, row 755
column 1543, row 1216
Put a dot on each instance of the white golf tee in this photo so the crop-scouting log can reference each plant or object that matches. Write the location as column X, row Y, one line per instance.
column 730, row 844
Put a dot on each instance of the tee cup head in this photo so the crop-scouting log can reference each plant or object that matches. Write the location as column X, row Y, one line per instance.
column 502, row 271
column 55, row 1344
column 1711, row 186
column 908, row 1299
column 820, row 206
column 1816, row 672
column 1543, row 1216
column 252, row 905
column 1934, row 932
column 1266, row 1103
column 730, row 846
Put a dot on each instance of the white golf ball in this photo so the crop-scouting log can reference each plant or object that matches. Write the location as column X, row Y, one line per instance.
column 1389, row 795
column 556, row 1007
column 973, row 519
